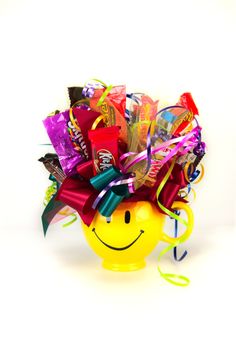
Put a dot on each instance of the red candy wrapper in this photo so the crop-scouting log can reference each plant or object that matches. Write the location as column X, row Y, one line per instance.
column 104, row 143
column 112, row 108
column 184, row 118
column 186, row 100
column 117, row 97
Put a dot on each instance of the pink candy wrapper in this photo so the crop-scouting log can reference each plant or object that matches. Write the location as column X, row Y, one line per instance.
column 69, row 150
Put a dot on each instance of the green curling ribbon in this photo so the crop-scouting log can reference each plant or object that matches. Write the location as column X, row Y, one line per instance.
column 105, row 93
column 74, row 218
column 101, row 180
column 103, row 96
column 51, row 190
column 97, row 80
column 181, row 280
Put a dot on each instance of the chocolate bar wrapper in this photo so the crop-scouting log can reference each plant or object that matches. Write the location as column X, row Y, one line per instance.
column 104, row 142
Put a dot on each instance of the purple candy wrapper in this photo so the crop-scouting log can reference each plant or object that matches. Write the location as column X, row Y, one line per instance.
column 69, row 154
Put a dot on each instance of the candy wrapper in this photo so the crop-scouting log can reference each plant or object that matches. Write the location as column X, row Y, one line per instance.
column 115, row 153
column 66, row 141
column 104, row 144
column 52, row 164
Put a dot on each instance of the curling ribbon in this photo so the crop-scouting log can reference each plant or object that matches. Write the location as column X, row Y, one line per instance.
column 183, row 281
column 175, row 248
column 90, row 86
column 97, row 121
column 84, row 197
column 106, row 190
column 51, row 190
column 160, row 187
column 170, row 277
column 53, row 207
column 80, row 195
column 74, row 218
column 142, row 155
column 112, row 192
column 95, row 80
column 103, row 96
column 113, row 187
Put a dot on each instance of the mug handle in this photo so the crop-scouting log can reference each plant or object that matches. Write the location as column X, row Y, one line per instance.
column 179, row 205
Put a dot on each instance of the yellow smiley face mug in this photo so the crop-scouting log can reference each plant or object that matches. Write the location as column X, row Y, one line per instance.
column 134, row 229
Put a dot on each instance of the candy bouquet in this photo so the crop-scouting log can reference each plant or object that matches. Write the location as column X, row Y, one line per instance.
column 122, row 164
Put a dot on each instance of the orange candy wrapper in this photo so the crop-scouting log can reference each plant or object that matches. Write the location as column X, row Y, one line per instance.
column 112, row 108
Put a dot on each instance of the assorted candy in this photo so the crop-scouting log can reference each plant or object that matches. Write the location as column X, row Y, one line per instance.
column 119, row 147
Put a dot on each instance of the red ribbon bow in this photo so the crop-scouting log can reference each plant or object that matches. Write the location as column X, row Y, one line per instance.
column 79, row 194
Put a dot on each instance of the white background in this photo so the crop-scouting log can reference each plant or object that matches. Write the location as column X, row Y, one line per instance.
column 54, row 295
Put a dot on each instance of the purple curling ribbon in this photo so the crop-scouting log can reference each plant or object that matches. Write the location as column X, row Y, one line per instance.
column 88, row 92
column 122, row 180
column 89, row 89
column 149, row 155
column 190, row 137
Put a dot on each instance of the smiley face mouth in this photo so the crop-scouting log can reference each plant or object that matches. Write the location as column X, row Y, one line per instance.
column 114, row 248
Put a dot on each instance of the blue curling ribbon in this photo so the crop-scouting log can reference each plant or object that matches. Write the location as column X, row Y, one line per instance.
column 194, row 175
column 133, row 97
column 175, row 248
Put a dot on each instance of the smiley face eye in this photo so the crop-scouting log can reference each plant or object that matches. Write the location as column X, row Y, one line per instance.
column 127, row 217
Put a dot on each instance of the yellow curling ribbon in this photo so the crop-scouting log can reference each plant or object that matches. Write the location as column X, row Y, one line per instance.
column 194, row 193
column 201, row 175
column 97, row 121
column 175, row 279
column 71, row 115
column 185, row 195
column 72, row 119
column 186, row 173
column 81, row 102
